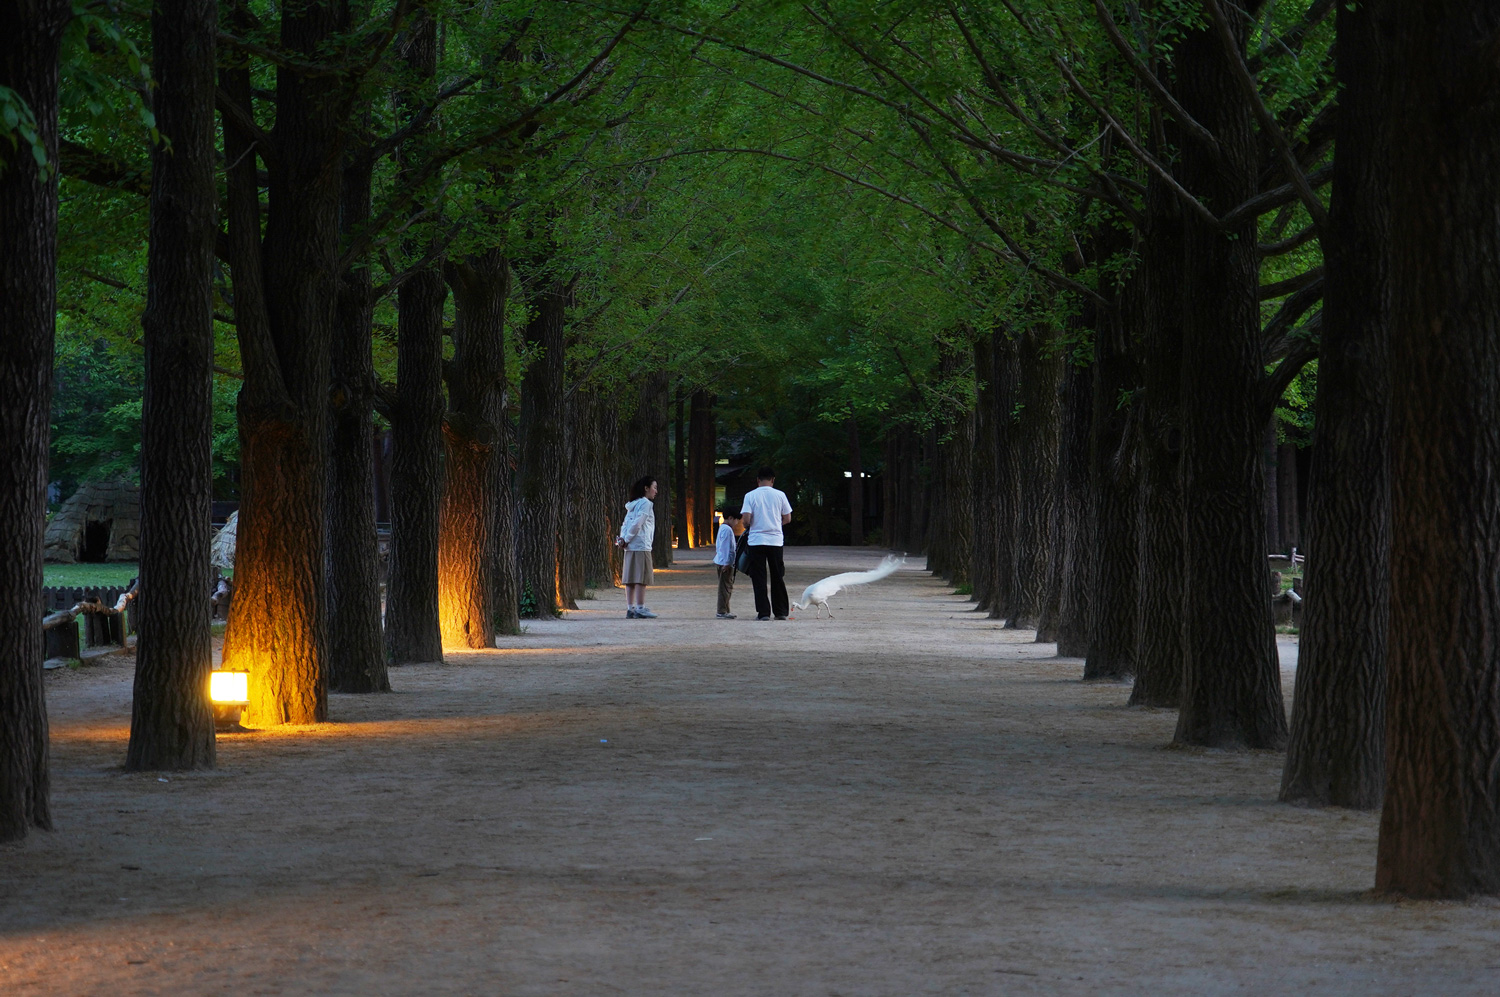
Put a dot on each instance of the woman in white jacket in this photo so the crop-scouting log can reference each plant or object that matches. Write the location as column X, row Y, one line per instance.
column 636, row 534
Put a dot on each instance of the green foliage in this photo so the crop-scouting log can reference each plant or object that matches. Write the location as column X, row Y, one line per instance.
column 19, row 128
column 528, row 603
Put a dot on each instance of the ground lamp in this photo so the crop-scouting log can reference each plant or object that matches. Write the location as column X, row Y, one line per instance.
column 230, row 694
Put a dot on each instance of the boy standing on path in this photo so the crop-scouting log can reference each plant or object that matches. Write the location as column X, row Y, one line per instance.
column 765, row 511
column 724, row 547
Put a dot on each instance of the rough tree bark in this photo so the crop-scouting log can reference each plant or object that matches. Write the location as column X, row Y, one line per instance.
column 958, row 499
column 472, row 434
column 28, row 306
column 284, row 296
column 1159, row 635
column 982, row 561
column 1288, row 512
column 412, row 633
column 171, row 724
column 1112, row 602
column 1231, row 690
column 540, row 479
column 1273, row 491
column 1008, row 469
column 1336, row 751
column 1037, row 424
column 1440, row 826
column 356, row 648
column 1075, row 524
column 572, row 531
column 702, row 454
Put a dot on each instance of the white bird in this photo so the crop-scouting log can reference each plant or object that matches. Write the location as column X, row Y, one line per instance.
column 819, row 592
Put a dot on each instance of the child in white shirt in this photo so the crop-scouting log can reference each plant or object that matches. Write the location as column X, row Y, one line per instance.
column 724, row 551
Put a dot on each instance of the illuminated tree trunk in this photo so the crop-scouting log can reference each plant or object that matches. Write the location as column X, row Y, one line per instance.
column 1336, row 751
column 540, row 479
column 171, row 724
column 356, row 650
column 473, row 433
column 1440, row 827
column 1231, row 690
column 32, row 30
column 284, row 295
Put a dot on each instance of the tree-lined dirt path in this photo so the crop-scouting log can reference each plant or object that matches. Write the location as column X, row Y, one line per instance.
column 903, row 800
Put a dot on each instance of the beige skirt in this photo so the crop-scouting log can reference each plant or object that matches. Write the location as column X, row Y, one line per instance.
column 637, row 568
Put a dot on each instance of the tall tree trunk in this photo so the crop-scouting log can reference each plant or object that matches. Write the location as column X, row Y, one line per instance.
column 574, row 531
column 171, row 725
column 412, row 631
column 472, row 435
column 1040, row 371
column 1440, row 827
column 1009, row 462
column 540, row 481
column 504, row 552
column 937, row 536
column 959, row 500
column 1075, row 522
column 985, row 484
column 683, row 537
column 285, row 292
column 1231, row 690
column 1159, row 652
column 1269, row 458
column 1113, row 601
column 1287, row 504
column 28, row 307
column 1336, row 751
column 702, row 456
column 356, row 649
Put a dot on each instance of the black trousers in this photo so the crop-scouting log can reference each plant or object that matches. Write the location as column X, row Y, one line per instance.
column 766, row 560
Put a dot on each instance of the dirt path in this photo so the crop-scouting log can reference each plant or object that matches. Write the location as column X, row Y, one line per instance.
column 904, row 800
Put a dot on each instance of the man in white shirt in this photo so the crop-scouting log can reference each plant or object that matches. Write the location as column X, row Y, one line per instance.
column 765, row 511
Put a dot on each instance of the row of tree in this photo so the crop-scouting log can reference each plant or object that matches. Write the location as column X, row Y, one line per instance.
column 1071, row 260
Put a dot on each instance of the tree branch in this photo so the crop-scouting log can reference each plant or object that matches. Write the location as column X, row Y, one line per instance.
column 1268, row 124
column 1163, row 96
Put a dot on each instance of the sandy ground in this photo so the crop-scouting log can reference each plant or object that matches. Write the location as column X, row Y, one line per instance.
column 905, row 800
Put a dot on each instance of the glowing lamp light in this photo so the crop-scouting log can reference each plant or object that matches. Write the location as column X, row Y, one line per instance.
column 230, row 694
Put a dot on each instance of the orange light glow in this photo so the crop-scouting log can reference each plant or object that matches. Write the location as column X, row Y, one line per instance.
column 229, row 687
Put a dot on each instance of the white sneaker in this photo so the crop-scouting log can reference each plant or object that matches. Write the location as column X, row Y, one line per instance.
column 724, row 616
column 642, row 613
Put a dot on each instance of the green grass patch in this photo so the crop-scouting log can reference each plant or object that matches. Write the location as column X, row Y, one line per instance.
column 967, row 588
column 89, row 575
